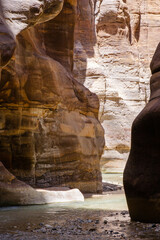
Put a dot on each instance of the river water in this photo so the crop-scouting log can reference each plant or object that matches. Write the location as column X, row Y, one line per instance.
column 98, row 217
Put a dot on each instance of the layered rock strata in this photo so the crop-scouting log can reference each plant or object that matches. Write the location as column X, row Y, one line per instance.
column 141, row 175
column 107, row 55
column 49, row 129
column 114, row 56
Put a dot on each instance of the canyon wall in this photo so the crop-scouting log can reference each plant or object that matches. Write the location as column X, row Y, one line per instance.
column 50, row 134
column 114, row 56
column 50, row 71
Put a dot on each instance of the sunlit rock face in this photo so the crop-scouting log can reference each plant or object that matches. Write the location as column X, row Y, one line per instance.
column 141, row 175
column 116, row 65
column 20, row 14
column 49, row 129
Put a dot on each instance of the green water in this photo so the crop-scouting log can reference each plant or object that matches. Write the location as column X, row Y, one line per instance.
column 115, row 178
column 15, row 220
column 108, row 202
column 100, row 217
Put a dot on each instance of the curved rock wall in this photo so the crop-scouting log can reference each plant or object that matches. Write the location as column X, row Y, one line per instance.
column 141, row 174
column 117, row 64
column 49, row 129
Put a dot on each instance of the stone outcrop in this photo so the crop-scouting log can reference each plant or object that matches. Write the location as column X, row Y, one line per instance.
column 115, row 61
column 50, row 134
column 141, row 175
column 15, row 192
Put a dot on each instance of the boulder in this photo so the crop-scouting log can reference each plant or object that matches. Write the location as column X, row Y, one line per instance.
column 14, row 192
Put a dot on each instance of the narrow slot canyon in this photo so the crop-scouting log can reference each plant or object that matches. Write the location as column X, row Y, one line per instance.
column 79, row 119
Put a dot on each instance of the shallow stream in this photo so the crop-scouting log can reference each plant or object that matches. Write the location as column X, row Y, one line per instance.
column 99, row 217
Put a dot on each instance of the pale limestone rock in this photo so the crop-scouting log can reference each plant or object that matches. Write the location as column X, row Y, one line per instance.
column 117, row 66
column 20, row 14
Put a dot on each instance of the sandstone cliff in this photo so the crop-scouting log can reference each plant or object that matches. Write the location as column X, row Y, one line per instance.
column 50, row 134
column 114, row 56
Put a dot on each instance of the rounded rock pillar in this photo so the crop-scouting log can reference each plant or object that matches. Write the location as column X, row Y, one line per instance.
column 142, row 171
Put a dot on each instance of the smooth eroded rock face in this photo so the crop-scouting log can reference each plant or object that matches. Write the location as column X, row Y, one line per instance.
column 15, row 192
column 49, row 129
column 141, row 175
column 20, row 14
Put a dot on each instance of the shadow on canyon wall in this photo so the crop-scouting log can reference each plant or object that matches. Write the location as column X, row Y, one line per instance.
column 73, row 37
column 52, row 135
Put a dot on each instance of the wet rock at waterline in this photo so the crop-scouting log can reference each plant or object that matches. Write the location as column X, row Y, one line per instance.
column 142, row 172
column 49, row 129
column 15, row 192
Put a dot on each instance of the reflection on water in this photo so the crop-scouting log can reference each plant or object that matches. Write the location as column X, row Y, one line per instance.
column 21, row 222
column 10, row 215
column 79, row 221
column 100, row 217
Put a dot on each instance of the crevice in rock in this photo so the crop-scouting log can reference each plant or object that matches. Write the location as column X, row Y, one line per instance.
column 137, row 28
